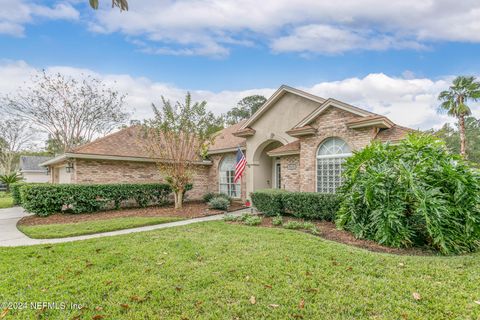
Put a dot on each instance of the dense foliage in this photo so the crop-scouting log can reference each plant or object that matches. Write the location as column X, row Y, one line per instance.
column 311, row 205
column 412, row 194
column 219, row 203
column 15, row 191
column 307, row 205
column 47, row 199
column 210, row 195
column 451, row 135
column 10, row 178
column 268, row 201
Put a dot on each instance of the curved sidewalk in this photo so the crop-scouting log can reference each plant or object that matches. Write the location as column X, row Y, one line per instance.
column 10, row 236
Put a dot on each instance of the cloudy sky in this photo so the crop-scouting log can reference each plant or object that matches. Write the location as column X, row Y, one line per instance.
column 390, row 58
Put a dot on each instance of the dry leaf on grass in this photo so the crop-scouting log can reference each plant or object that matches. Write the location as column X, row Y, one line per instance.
column 301, row 304
column 477, row 302
column 4, row 313
column 273, row 305
column 253, row 300
column 98, row 308
column 98, row 317
column 416, row 296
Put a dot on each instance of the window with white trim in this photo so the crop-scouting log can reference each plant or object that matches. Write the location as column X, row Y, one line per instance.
column 226, row 177
column 330, row 158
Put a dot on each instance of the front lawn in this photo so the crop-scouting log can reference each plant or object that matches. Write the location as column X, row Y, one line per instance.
column 49, row 231
column 216, row 270
column 6, row 200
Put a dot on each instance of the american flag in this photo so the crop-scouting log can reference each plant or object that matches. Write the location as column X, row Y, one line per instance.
column 240, row 166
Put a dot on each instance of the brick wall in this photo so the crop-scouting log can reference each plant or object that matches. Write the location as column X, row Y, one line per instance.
column 331, row 123
column 290, row 166
column 107, row 171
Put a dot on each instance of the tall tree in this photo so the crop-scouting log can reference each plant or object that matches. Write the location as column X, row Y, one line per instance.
column 245, row 109
column 71, row 111
column 15, row 135
column 122, row 4
column 176, row 136
column 455, row 103
column 450, row 134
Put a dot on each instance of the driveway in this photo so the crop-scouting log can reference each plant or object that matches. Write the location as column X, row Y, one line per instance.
column 10, row 236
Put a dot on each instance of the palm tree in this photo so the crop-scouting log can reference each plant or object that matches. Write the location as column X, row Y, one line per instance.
column 122, row 4
column 454, row 103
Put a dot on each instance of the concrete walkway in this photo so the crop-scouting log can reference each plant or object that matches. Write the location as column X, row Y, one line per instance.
column 10, row 236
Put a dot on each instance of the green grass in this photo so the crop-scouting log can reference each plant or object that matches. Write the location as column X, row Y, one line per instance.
column 211, row 271
column 6, row 200
column 49, row 231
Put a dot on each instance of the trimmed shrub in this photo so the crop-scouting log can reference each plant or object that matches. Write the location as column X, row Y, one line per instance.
column 306, row 205
column 46, row 199
column 268, row 201
column 412, row 194
column 311, row 205
column 15, row 191
column 219, row 203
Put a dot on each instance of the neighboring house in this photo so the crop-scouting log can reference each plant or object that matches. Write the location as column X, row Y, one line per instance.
column 295, row 141
column 31, row 170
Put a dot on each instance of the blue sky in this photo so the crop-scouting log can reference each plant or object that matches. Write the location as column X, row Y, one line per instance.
column 362, row 53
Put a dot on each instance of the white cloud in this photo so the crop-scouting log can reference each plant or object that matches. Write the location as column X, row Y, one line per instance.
column 408, row 102
column 210, row 27
column 331, row 40
column 15, row 14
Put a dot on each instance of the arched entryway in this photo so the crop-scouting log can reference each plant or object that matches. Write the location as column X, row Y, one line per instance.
column 265, row 171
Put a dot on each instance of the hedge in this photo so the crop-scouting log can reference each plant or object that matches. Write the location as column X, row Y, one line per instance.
column 46, row 199
column 15, row 192
column 311, row 205
column 306, row 205
column 268, row 201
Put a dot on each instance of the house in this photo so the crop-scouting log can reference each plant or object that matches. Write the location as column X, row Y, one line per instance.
column 296, row 141
column 31, row 171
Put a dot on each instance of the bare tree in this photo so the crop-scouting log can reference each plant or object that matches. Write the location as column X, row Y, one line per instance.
column 15, row 135
column 176, row 136
column 71, row 111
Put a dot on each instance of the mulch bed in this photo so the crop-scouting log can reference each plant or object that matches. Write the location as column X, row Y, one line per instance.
column 328, row 230
column 189, row 210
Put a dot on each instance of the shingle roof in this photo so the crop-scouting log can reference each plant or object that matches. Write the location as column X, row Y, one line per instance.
column 288, row 148
column 123, row 143
column 394, row 133
column 32, row 163
column 226, row 140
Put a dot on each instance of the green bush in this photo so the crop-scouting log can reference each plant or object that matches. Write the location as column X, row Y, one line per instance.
column 412, row 194
column 230, row 217
column 15, row 191
column 277, row 221
column 306, row 205
column 46, row 199
column 293, row 225
column 210, row 195
column 268, row 201
column 311, row 205
column 252, row 220
column 219, row 203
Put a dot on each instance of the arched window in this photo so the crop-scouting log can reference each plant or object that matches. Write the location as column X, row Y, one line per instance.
column 226, row 176
column 330, row 157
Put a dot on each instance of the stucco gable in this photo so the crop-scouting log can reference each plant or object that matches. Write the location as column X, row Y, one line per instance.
column 272, row 101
